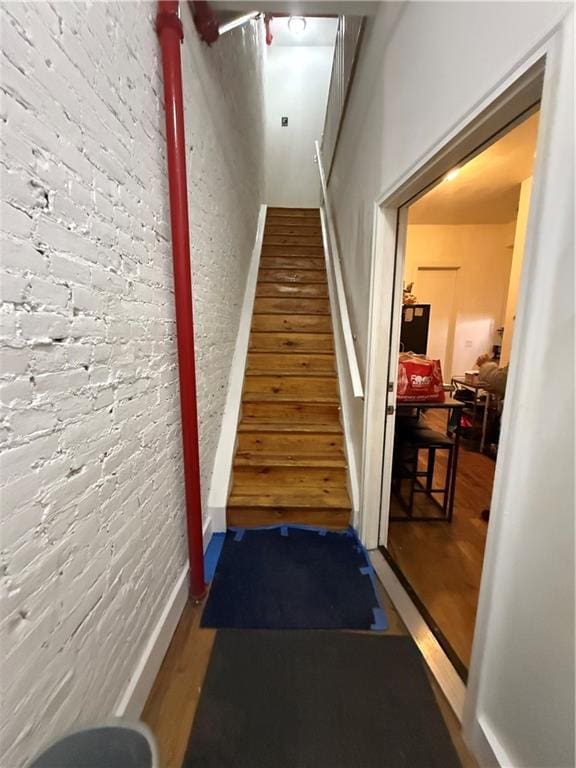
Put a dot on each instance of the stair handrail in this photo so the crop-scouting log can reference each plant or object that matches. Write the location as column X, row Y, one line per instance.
column 333, row 257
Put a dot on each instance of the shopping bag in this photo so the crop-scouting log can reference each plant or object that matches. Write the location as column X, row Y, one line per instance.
column 419, row 379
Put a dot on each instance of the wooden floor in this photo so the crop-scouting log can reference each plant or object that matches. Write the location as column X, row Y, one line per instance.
column 443, row 561
column 172, row 704
column 290, row 464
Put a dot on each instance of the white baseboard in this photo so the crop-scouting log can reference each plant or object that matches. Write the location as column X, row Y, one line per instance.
column 222, row 472
column 133, row 699
column 483, row 742
column 207, row 532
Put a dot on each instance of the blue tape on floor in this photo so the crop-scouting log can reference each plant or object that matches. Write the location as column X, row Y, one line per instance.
column 380, row 620
column 212, row 555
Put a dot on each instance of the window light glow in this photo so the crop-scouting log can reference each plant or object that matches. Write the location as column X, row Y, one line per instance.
column 451, row 175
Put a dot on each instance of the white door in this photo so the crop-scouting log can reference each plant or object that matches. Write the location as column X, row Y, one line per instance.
column 437, row 286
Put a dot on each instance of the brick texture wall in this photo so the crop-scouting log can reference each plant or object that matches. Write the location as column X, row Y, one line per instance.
column 92, row 530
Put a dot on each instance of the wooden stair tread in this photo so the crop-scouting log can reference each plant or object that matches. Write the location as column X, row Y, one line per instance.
column 279, row 323
column 295, row 476
column 288, row 262
column 293, row 251
column 296, row 413
column 278, row 227
column 292, row 276
column 292, row 306
column 291, row 443
column 297, row 343
column 292, row 240
column 255, row 459
column 292, row 290
column 274, row 426
column 290, row 364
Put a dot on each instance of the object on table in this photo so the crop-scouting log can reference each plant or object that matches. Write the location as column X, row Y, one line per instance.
column 419, row 379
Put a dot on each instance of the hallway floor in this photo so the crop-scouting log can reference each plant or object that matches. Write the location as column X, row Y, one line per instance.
column 442, row 562
column 174, row 698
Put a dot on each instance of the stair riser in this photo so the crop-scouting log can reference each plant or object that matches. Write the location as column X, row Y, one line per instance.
column 248, row 517
column 291, row 343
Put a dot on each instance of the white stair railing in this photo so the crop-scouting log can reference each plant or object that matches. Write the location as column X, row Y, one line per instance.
column 334, row 270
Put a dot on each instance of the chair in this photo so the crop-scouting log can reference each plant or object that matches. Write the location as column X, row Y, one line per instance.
column 411, row 439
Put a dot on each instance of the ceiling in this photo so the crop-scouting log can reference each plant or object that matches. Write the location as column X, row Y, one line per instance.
column 487, row 188
column 317, row 32
column 299, row 7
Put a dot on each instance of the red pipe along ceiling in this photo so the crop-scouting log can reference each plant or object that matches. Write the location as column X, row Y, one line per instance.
column 170, row 34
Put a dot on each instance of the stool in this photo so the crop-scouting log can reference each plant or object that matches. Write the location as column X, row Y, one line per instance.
column 410, row 441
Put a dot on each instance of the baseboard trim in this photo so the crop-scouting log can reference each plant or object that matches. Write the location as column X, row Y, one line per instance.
column 222, row 472
column 132, row 701
column 482, row 741
column 140, row 684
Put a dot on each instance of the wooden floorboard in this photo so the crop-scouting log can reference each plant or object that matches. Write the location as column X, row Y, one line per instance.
column 443, row 561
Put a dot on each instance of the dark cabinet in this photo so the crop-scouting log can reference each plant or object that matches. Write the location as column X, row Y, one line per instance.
column 414, row 332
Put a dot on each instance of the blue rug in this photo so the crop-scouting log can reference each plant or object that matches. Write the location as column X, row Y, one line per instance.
column 292, row 577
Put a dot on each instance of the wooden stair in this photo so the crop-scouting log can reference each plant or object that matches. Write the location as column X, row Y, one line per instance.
column 290, row 464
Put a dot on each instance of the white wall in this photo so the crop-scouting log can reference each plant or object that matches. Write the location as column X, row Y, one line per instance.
column 516, row 270
column 93, row 531
column 423, row 69
column 297, row 80
column 483, row 255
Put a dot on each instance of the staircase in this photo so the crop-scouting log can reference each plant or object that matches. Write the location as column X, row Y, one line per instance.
column 290, row 465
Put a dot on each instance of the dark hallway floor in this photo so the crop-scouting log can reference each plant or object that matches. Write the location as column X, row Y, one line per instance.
column 174, row 698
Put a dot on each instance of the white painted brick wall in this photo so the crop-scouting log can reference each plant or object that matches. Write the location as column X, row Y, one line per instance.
column 92, row 530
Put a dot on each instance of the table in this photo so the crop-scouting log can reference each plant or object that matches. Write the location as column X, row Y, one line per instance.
column 449, row 405
column 478, row 387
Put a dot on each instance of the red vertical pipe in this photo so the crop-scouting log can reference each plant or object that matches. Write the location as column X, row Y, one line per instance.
column 170, row 34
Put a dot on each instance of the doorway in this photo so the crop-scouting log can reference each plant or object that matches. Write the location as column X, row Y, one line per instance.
column 461, row 266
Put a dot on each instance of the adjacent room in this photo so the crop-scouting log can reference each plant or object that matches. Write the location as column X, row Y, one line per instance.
column 463, row 264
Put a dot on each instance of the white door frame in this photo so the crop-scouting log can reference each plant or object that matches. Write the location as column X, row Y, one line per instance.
column 494, row 115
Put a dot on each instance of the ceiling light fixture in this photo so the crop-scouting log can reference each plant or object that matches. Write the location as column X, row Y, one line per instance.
column 451, row 175
column 297, row 24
